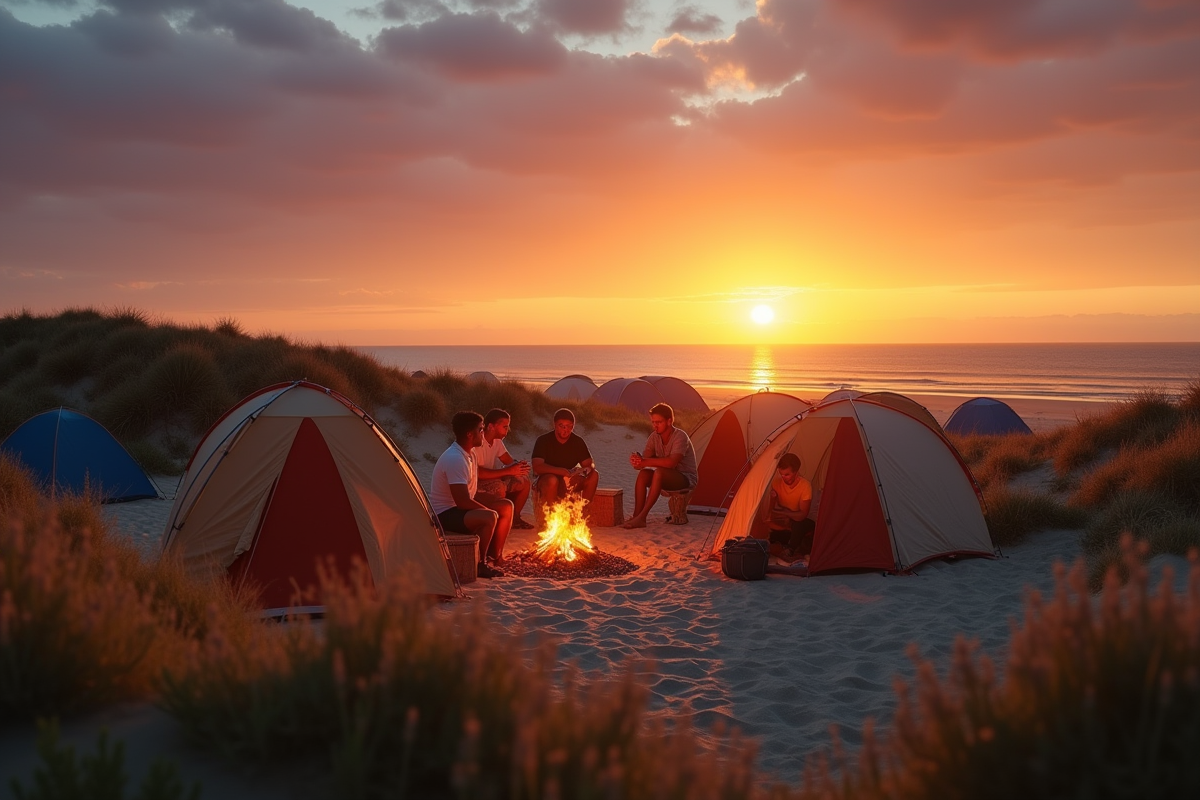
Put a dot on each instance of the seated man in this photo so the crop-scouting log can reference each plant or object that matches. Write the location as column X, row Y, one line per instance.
column 500, row 475
column 668, row 462
column 791, row 527
column 563, row 463
column 452, row 494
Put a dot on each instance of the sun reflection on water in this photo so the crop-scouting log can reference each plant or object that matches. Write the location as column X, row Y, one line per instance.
column 762, row 368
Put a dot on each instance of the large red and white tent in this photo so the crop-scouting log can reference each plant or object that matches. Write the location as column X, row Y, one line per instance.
column 725, row 440
column 296, row 474
column 890, row 492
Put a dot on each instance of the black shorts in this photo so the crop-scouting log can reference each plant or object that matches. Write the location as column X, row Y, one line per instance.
column 454, row 520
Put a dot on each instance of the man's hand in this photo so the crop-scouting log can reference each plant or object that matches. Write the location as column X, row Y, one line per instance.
column 518, row 469
column 636, row 461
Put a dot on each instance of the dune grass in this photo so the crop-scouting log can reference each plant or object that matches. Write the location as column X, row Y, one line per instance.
column 1093, row 701
column 1013, row 514
column 95, row 776
column 397, row 697
column 1148, row 418
column 159, row 386
column 84, row 621
column 995, row 460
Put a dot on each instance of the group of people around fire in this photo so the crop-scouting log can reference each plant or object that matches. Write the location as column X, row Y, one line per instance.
column 479, row 488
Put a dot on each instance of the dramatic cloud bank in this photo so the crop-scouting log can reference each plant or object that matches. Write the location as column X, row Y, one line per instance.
column 469, row 158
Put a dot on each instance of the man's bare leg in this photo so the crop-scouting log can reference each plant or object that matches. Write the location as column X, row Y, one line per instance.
column 638, row 520
column 504, row 521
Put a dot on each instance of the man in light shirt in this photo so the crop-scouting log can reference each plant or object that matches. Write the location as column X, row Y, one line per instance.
column 668, row 462
column 787, row 511
column 452, row 494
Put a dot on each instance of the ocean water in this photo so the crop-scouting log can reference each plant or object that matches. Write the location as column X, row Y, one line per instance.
column 1080, row 372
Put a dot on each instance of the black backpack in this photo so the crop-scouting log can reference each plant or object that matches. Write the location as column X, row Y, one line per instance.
column 745, row 558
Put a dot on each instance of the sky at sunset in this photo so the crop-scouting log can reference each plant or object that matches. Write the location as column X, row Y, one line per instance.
column 608, row 171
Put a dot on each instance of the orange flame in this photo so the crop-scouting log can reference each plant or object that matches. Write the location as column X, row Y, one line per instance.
column 566, row 531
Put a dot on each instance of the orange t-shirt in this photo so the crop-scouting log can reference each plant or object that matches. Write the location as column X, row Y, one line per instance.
column 790, row 497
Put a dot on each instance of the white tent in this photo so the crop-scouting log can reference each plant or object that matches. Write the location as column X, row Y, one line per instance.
column 890, row 491
column 296, row 473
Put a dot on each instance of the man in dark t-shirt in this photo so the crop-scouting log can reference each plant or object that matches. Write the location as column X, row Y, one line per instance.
column 562, row 462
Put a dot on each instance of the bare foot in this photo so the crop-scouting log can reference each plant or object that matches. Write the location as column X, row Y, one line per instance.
column 635, row 522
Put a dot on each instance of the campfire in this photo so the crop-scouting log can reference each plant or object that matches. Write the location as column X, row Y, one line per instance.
column 566, row 532
column 564, row 548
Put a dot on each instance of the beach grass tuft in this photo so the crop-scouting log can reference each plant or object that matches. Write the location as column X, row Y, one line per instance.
column 1170, row 466
column 1147, row 418
column 1098, row 700
column 84, row 621
column 97, row 776
column 994, row 460
column 1013, row 514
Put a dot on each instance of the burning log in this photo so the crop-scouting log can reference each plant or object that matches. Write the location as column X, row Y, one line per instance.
column 564, row 550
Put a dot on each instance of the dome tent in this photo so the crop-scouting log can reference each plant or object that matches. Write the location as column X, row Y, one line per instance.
column 679, row 394
column 890, row 492
column 840, row 394
column 484, row 376
column 297, row 473
column 67, row 451
column 725, row 440
column 986, row 417
column 633, row 393
column 572, row 387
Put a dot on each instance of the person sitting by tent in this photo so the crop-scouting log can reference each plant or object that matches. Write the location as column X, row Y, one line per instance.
column 455, row 481
column 786, row 511
column 501, row 475
column 667, row 462
column 563, row 463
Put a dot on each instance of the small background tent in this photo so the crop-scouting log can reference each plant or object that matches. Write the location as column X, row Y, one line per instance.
column 296, row 473
column 66, row 450
column 725, row 439
column 840, row 394
column 483, row 375
column 633, row 393
column 889, row 491
column 985, row 416
column 572, row 387
column 679, row 394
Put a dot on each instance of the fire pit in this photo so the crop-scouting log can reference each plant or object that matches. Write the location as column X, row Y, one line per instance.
column 564, row 550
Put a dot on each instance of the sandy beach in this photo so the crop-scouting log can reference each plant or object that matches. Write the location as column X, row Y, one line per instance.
column 781, row 659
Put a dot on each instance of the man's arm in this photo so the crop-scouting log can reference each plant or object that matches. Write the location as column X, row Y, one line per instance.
column 463, row 499
column 670, row 460
column 513, row 468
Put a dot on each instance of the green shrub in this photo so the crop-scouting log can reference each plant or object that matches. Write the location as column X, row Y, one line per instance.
column 95, row 777
column 401, row 697
column 1012, row 514
column 1094, row 701
column 67, row 363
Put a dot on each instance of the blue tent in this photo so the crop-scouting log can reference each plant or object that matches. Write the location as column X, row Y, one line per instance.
column 987, row 417
column 64, row 448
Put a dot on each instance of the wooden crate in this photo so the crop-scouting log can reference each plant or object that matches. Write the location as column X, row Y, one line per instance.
column 464, row 555
column 607, row 508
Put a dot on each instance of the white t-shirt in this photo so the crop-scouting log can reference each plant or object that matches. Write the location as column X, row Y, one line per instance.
column 456, row 465
column 488, row 455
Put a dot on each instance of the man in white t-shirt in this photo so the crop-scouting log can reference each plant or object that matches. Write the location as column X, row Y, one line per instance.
column 500, row 475
column 452, row 490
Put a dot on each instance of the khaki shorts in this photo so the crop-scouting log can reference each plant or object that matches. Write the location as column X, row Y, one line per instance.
column 498, row 487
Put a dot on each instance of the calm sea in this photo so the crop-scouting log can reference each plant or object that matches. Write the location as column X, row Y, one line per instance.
column 1089, row 372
